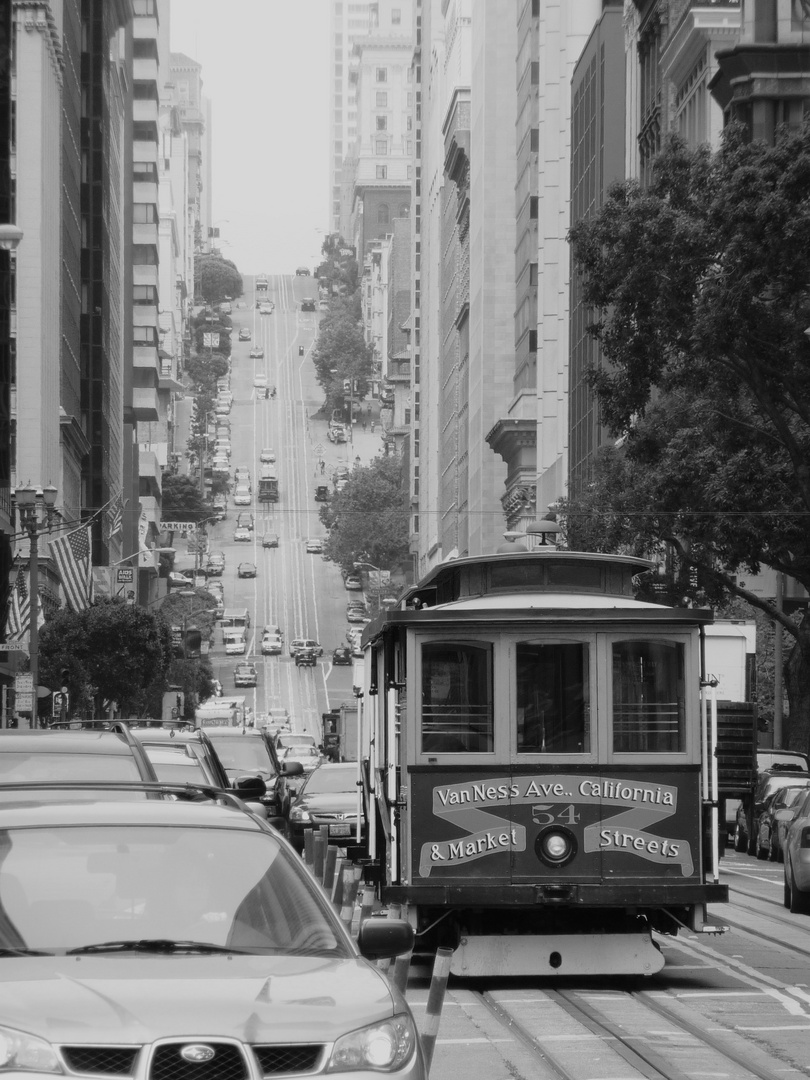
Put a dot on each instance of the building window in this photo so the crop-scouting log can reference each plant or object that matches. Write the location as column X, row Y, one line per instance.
column 144, row 295
column 534, row 140
column 383, row 214
column 532, row 273
column 396, row 16
column 409, row 123
column 144, row 255
column 382, row 172
column 144, row 172
column 382, row 99
column 144, row 7
column 534, row 206
column 144, row 214
column 381, row 123
column 144, row 336
column 380, row 147
column 382, row 74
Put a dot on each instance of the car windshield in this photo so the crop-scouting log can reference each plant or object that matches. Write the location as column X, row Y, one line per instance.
column 240, row 754
column 76, row 768
column 129, row 886
column 330, row 780
column 176, row 765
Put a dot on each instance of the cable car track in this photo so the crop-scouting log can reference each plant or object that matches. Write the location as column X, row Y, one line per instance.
column 561, row 1028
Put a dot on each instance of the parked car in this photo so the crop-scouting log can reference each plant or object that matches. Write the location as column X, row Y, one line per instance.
column 220, row 504
column 314, row 546
column 257, row 353
column 242, row 496
column 342, row 655
column 327, row 797
column 353, row 582
column 270, row 540
column 244, row 334
column 245, row 518
column 306, row 658
column 770, row 764
column 242, row 534
column 357, row 613
column 308, row 303
column 775, row 819
column 246, row 570
column 322, row 493
column 302, row 271
column 235, row 643
column 797, row 860
column 216, row 563
column 305, row 643
column 767, row 786
column 245, row 675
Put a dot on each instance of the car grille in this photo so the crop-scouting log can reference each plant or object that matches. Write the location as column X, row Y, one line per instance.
column 333, row 817
column 283, row 1060
column 101, row 1060
column 228, row 1063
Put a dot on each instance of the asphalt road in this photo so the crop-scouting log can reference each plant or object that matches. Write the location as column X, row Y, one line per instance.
column 298, row 591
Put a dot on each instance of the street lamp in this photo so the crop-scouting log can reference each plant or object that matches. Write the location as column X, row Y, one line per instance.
column 30, row 503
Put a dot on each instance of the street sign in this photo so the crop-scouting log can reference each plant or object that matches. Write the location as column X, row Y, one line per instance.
column 319, row 449
column 24, row 693
column 179, row 526
column 125, row 575
column 59, row 702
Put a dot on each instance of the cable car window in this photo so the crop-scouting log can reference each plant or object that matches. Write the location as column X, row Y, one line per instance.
column 648, row 697
column 553, row 698
column 457, row 713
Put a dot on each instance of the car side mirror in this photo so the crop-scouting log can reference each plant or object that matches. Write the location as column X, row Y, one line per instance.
column 292, row 768
column 250, row 787
column 381, row 939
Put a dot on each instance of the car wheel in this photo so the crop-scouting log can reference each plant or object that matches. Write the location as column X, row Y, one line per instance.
column 762, row 851
column 799, row 901
column 773, row 850
column 739, row 839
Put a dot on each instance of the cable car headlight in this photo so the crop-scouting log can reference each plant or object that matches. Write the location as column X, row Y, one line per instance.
column 555, row 846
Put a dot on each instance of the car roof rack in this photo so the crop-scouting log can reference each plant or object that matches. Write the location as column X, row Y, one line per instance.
column 114, row 727
column 158, row 787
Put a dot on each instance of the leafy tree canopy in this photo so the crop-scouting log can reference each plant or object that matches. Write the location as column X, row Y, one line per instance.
column 339, row 270
column 374, row 493
column 182, row 500
column 216, row 278
column 699, row 285
column 112, row 652
column 341, row 352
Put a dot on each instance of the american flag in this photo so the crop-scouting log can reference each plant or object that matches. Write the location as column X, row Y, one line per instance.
column 71, row 554
column 115, row 516
column 19, row 609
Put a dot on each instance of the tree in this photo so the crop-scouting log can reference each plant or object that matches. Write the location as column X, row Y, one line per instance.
column 341, row 352
column 113, row 652
column 216, row 278
column 182, row 500
column 699, row 285
column 373, row 493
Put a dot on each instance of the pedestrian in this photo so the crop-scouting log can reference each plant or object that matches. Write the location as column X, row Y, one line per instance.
column 322, row 464
column 364, row 423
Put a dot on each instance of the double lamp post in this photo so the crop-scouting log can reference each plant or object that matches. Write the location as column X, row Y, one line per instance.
column 37, row 510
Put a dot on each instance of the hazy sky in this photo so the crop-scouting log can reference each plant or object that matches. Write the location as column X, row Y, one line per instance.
column 265, row 68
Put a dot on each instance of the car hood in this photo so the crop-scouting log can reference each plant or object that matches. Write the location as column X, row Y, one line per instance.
column 115, row 999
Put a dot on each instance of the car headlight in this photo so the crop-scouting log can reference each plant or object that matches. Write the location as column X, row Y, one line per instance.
column 384, row 1047
column 20, row 1051
column 298, row 813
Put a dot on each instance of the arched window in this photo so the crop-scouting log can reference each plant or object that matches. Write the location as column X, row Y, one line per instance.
column 383, row 214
